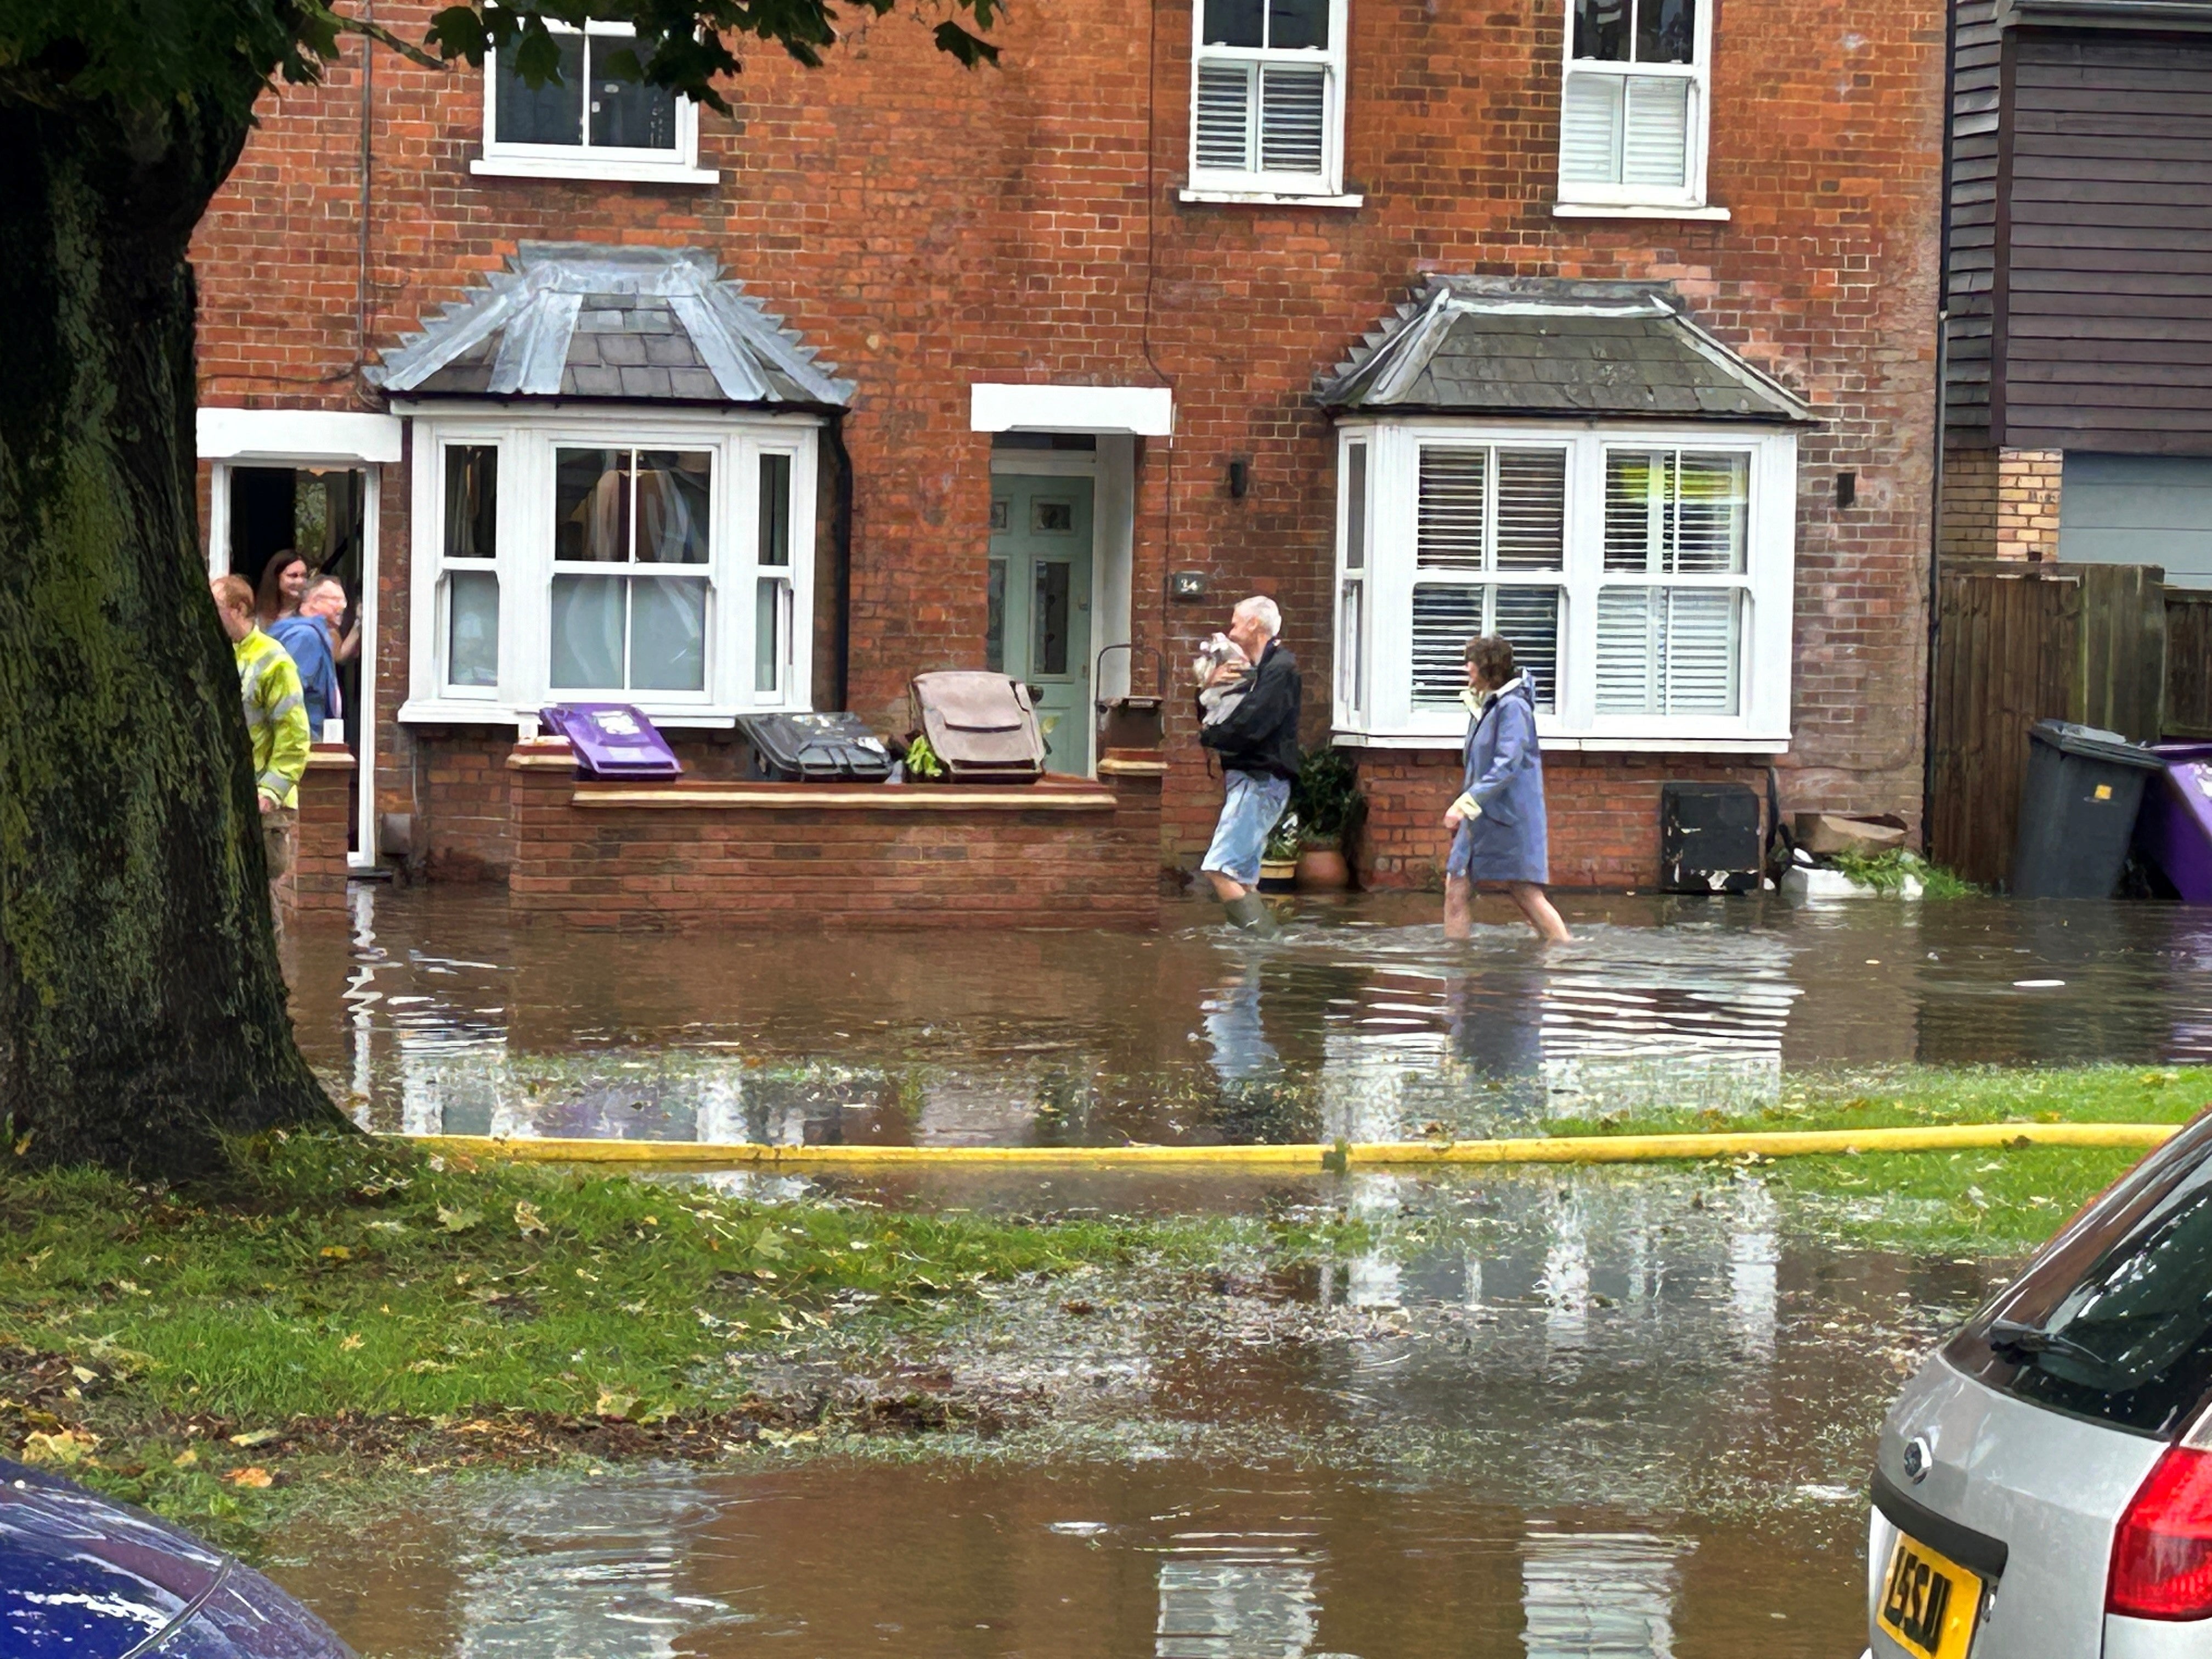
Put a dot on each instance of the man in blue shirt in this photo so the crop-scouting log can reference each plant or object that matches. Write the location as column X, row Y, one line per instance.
column 305, row 637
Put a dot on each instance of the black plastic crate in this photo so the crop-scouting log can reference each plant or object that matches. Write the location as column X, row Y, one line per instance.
column 1709, row 838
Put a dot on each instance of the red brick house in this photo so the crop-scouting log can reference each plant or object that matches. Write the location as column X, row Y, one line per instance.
column 1605, row 323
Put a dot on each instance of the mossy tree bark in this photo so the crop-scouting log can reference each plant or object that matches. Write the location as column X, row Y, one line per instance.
column 143, row 1011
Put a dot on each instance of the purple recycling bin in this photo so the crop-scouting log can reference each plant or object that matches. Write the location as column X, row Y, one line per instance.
column 2175, row 829
column 613, row 740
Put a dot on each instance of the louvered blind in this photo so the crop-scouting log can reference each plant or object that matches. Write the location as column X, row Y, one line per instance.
column 1262, row 118
column 1668, row 650
column 1484, row 509
column 1676, row 513
column 1626, row 130
column 1447, row 616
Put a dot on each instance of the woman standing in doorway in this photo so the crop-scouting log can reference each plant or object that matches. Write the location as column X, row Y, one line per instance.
column 1497, row 822
column 283, row 579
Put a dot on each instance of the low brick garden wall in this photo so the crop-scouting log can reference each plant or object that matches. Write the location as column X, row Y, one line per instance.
column 691, row 853
column 316, row 884
column 1601, row 812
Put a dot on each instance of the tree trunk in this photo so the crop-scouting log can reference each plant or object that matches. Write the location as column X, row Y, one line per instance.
column 143, row 1011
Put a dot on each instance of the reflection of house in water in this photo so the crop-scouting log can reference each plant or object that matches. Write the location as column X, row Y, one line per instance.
column 1600, row 1594
column 1681, row 1017
column 1237, row 1595
column 585, row 1571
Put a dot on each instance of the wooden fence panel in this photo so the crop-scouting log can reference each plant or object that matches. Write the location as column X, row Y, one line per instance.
column 2119, row 680
column 2188, row 664
column 2009, row 644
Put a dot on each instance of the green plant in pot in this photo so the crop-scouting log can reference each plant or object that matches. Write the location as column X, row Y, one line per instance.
column 1279, row 858
column 1327, row 803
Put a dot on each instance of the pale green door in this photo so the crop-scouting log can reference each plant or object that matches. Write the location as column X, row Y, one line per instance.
column 1039, row 626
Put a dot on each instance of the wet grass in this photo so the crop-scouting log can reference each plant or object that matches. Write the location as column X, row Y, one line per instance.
column 348, row 1305
column 1933, row 1094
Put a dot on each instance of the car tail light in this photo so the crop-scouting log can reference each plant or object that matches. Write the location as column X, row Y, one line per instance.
column 2162, row 1553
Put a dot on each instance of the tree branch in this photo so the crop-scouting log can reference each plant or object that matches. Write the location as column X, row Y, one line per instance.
column 376, row 32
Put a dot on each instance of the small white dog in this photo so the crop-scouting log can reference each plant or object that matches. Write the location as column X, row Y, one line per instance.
column 1224, row 676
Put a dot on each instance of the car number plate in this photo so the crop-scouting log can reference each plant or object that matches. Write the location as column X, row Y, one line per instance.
column 1929, row 1602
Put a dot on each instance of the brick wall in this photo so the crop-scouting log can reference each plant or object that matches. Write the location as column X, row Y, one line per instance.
column 1091, row 862
column 1970, row 503
column 929, row 227
column 318, row 881
column 1601, row 814
column 2027, row 503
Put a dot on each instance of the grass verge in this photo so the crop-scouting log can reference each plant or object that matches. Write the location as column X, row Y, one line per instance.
column 349, row 1305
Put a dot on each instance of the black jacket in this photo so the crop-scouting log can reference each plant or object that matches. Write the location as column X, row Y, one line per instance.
column 1261, row 733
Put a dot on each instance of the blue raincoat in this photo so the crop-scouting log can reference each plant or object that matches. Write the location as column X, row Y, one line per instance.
column 1505, row 775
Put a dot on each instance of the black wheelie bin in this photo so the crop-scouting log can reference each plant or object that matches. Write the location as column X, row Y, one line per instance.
column 2077, row 810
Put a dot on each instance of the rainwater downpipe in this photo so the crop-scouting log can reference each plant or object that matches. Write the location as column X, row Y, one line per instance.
column 1941, row 439
column 1151, row 212
column 368, row 144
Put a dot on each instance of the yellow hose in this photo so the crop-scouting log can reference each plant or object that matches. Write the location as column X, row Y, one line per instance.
column 1564, row 1149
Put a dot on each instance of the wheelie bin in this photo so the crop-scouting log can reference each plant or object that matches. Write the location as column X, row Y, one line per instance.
column 2174, row 833
column 2077, row 810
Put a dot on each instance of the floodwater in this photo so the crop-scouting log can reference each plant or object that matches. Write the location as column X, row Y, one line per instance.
column 1608, row 1412
column 434, row 1012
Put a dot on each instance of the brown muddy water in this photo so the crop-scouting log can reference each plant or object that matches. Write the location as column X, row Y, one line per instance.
column 1553, row 1414
column 433, row 1011
column 1608, row 1413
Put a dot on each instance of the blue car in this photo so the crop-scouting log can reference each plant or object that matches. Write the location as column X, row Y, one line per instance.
column 86, row 1578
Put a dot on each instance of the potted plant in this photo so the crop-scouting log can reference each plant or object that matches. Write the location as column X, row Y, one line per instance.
column 1326, row 803
column 1279, row 859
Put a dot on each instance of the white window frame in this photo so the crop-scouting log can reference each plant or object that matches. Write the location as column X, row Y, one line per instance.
column 1380, row 713
column 1579, row 197
column 584, row 160
column 1325, row 188
column 526, row 443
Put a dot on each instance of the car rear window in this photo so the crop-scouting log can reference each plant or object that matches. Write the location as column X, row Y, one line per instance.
column 2114, row 1320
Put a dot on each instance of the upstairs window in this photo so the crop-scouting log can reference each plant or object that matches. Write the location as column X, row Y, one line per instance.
column 599, row 119
column 1633, row 106
column 1268, row 97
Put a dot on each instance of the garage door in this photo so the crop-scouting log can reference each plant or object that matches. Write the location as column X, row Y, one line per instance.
column 2139, row 509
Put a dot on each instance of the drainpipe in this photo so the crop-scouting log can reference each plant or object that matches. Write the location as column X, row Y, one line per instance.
column 1943, row 420
column 841, row 539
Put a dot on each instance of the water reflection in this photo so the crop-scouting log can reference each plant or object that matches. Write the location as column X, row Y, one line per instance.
column 1228, row 1595
column 431, row 1011
column 1600, row 1594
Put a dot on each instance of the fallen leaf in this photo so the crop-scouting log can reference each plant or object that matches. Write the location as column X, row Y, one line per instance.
column 255, row 1438
column 613, row 1405
column 349, row 1344
column 421, row 1366
column 458, row 1221
column 84, row 1373
column 64, row 1447
column 527, row 1219
column 337, row 1253
column 254, row 1475
column 187, row 1459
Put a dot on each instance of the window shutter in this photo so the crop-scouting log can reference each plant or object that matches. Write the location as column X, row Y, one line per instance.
column 1699, row 649
column 1532, row 509
column 1668, row 651
column 1452, row 508
column 1528, row 619
column 1293, row 118
column 1713, row 495
column 1655, row 147
column 1225, row 117
column 1444, row 619
column 1590, row 130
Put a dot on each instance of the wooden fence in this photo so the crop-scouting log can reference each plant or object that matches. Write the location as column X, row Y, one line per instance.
column 2017, row 643
column 2188, row 664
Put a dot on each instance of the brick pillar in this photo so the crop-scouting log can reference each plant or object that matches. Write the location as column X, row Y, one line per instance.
column 316, row 884
column 1132, row 848
column 541, row 779
column 2027, row 503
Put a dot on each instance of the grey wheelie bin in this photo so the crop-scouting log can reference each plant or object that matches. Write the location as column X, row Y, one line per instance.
column 2077, row 810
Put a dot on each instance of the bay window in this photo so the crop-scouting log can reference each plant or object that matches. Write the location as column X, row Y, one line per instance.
column 1268, row 97
column 1642, row 576
column 661, row 560
column 1634, row 105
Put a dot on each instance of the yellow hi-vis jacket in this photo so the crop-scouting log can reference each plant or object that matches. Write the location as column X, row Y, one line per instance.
column 275, row 716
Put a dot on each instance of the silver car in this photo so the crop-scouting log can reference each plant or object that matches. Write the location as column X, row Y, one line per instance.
column 2044, row 1485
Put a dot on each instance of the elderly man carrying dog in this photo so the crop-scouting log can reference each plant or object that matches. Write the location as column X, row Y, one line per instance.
column 1258, row 744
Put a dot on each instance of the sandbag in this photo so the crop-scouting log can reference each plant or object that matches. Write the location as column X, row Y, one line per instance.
column 982, row 726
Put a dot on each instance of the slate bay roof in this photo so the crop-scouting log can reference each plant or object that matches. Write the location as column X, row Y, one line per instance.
column 1538, row 346
column 578, row 319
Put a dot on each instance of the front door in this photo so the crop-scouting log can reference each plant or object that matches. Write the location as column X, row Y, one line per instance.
column 1039, row 627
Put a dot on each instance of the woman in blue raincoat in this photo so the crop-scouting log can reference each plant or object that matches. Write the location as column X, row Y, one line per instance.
column 1497, row 822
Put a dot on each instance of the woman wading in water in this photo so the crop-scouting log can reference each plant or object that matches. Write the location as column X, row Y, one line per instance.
column 1497, row 822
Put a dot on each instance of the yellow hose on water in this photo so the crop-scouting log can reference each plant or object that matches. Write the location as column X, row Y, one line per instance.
column 1564, row 1149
